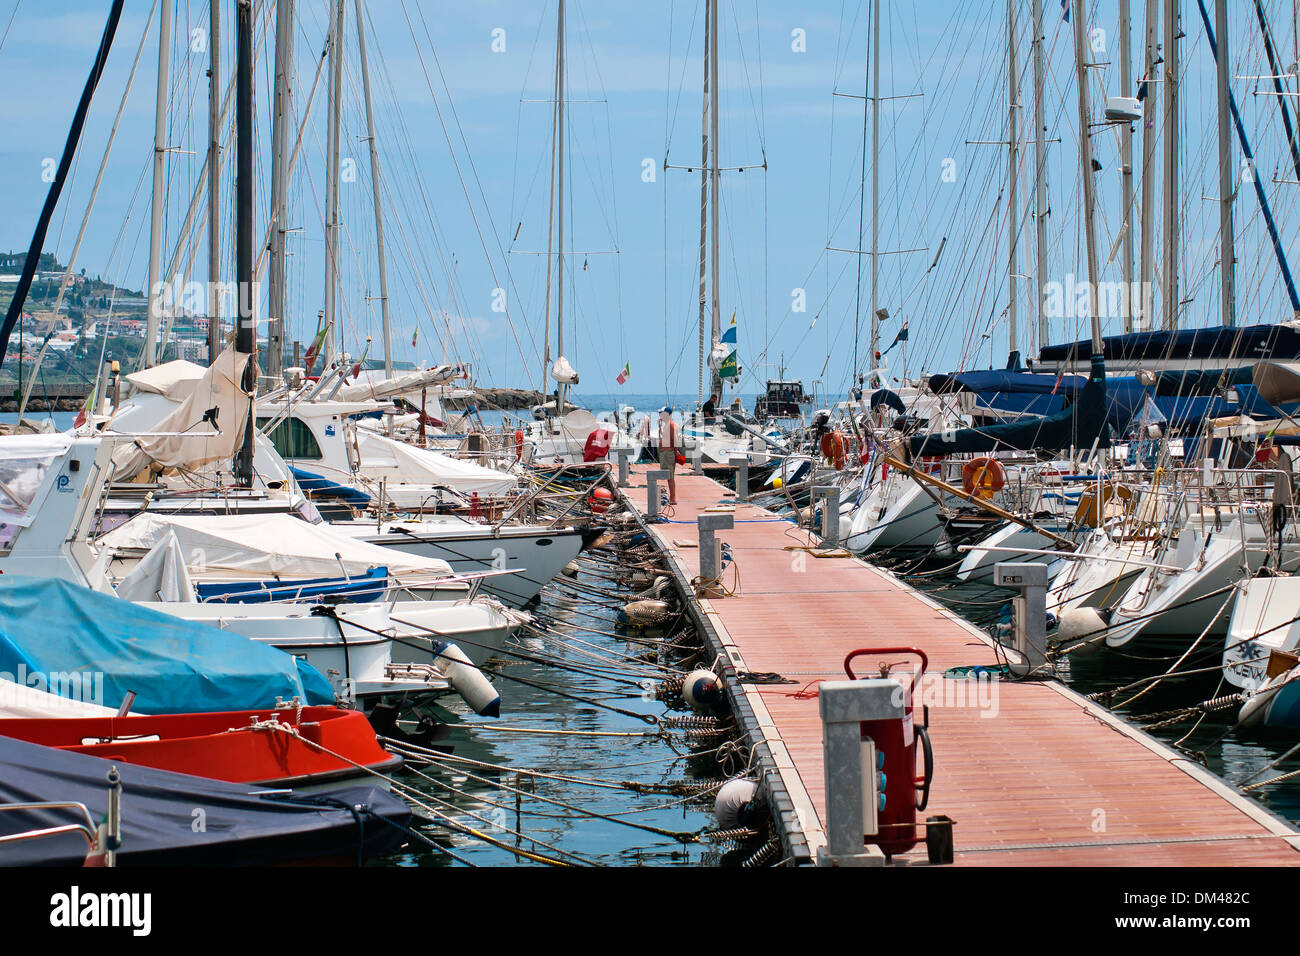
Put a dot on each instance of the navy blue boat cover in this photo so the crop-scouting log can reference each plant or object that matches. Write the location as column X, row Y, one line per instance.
column 50, row 628
column 173, row 818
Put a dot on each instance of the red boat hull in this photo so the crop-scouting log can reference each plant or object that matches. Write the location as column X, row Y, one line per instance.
column 266, row 747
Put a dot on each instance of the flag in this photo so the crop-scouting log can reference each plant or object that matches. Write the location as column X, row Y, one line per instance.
column 730, row 368
column 415, row 337
column 900, row 337
column 729, row 336
column 1065, row 6
column 624, row 375
column 84, row 414
column 313, row 350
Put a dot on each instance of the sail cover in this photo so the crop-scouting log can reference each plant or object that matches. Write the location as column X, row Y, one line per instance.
column 1078, row 425
column 182, row 438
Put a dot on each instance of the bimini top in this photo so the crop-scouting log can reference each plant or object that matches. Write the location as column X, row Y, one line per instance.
column 67, row 636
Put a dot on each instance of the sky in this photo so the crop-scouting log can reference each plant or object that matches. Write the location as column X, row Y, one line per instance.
column 462, row 101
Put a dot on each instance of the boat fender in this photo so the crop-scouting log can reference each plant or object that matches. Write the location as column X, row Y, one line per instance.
column 738, row 804
column 1080, row 622
column 645, row 613
column 468, row 680
column 702, row 690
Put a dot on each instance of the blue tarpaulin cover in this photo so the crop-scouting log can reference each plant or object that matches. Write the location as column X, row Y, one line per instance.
column 49, row 626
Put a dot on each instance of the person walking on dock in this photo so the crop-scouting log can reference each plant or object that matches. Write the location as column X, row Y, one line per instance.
column 669, row 442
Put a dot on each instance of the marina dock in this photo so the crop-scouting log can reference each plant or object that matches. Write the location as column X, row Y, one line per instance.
column 1040, row 777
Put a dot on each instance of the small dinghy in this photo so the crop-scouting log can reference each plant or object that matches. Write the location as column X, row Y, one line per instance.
column 174, row 819
column 281, row 748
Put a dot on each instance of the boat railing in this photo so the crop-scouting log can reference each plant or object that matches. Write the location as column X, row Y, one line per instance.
column 381, row 586
column 88, row 829
column 548, row 481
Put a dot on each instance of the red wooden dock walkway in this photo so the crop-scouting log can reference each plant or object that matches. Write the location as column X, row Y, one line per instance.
column 1043, row 778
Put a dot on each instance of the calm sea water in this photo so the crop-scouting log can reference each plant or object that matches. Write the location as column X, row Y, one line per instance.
column 560, row 741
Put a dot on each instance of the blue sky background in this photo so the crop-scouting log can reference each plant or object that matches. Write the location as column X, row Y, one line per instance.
column 465, row 154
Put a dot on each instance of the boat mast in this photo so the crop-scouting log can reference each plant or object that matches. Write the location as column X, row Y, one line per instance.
column 246, row 326
column 561, row 90
column 1040, row 181
column 1013, row 163
column 374, row 183
column 1171, row 163
column 332, row 185
column 875, row 187
column 1227, row 253
column 281, row 122
column 214, row 180
column 704, row 196
column 159, row 168
column 1126, row 163
column 1146, row 302
column 1085, row 168
column 715, row 385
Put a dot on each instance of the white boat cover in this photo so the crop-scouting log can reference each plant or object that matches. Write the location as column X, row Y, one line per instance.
column 18, row 701
column 161, row 575
column 219, row 388
column 174, row 380
column 270, row 546
column 563, row 372
column 400, row 463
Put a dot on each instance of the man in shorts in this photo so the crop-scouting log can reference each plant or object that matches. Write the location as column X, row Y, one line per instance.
column 669, row 445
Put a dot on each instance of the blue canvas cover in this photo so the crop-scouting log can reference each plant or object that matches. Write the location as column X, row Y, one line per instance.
column 53, row 627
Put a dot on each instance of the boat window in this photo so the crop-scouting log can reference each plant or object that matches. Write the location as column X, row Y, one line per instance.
column 292, row 439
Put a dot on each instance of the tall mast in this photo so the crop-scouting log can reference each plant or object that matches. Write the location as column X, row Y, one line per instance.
column 374, row 183
column 704, row 194
column 245, row 325
column 1146, row 302
column 560, row 93
column 1126, row 164
column 281, row 123
column 214, row 180
column 1085, row 169
column 159, row 168
column 1171, row 163
column 1040, row 181
column 875, row 185
column 1227, row 253
column 716, row 380
column 1013, row 163
column 332, row 185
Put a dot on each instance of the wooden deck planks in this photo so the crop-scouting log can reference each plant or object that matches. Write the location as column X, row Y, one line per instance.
column 1042, row 778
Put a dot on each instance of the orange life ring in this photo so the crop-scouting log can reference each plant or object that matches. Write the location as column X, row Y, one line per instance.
column 519, row 444
column 833, row 449
column 983, row 477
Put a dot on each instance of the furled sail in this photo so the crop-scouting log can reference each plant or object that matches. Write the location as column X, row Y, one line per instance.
column 1078, row 425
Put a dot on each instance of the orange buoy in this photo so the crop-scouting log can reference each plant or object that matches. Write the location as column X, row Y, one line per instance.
column 600, row 499
column 983, row 477
column 833, row 449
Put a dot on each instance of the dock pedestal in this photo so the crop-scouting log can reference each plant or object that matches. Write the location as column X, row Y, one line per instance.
column 1029, row 612
column 741, row 464
column 830, row 513
column 852, row 793
column 652, row 479
column 711, row 522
